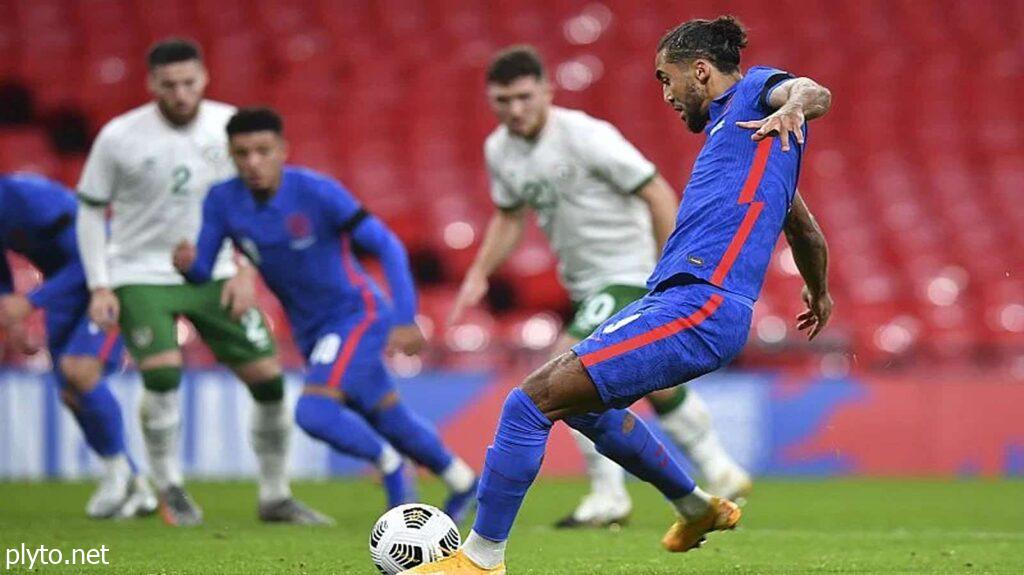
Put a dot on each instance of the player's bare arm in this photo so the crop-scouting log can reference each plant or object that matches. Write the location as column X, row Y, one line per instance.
column 501, row 238
column 810, row 252
column 662, row 202
column 795, row 101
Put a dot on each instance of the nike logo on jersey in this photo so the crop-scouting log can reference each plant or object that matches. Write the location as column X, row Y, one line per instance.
column 717, row 127
column 303, row 243
column 621, row 323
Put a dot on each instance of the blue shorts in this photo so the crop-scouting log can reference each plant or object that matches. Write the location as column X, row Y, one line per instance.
column 70, row 332
column 348, row 355
column 664, row 339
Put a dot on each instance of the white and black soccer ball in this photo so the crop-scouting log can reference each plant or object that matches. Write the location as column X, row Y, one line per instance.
column 410, row 535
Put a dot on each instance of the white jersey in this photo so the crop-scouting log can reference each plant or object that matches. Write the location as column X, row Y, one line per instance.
column 155, row 177
column 579, row 175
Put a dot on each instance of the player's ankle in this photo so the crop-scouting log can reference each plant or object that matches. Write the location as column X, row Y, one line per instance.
column 483, row 552
column 389, row 460
column 693, row 505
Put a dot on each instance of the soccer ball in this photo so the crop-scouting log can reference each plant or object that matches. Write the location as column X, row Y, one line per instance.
column 410, row 535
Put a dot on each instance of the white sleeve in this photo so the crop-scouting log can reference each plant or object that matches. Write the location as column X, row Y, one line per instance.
column 502, row 194
column 99, row 176
column 91, row 231
column 609, row 155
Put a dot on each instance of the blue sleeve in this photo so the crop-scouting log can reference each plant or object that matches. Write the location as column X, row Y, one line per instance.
column 341, row 208
column 759, row 83
column 372, row 235
column 211, row 238
column 70, row 279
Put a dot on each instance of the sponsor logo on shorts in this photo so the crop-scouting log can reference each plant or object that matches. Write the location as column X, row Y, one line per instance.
column 142, row 336
column 612, row 328
column 695, row 260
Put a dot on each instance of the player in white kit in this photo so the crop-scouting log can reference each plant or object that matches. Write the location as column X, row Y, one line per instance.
column 607, row 213
column 153, row 166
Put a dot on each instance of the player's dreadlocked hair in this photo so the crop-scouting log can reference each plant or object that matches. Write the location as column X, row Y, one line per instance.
column 247, row 120
column 513, row 63
column 719, row 40
column 173, row 50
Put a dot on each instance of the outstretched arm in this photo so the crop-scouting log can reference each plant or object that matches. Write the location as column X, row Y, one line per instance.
column 810, row 252
column 794, row 102
column 503, row 234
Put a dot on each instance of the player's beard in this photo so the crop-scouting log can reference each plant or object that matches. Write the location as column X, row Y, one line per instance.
column 696, row 116
column 178, row 118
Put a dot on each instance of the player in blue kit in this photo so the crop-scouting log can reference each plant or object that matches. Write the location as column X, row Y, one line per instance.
column 299, row 228
column 37, row 221
column 695, row 319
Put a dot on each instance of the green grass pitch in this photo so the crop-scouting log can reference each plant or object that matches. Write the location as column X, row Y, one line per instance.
column 790, row 527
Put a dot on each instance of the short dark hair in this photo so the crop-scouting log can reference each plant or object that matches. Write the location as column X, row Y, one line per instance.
column 513, row 63
column 248, row 120
column 719, row 40
column 173, row 50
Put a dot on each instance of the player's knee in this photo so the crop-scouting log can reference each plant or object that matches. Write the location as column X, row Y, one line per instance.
column 259, row 371
column 562, row 388
column 311, row 413
column 81, row 373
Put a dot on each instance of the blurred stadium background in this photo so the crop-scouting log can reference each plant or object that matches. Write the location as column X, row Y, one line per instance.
column 917, row 177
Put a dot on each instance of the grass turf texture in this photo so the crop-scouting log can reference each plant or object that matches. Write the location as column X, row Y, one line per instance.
column 840, row 526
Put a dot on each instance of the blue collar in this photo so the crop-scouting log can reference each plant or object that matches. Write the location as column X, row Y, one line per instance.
column 719, row 105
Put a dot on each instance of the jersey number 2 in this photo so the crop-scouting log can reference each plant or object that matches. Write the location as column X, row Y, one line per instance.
column 181, row 176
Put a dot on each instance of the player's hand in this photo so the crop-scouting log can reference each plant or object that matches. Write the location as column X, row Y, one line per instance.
column 474, row 288
column 14, row 308
column 239, row 293
column 815, row 317
column 184, row 256
column 787, row 120
column 17, row 335
column 407, row 339
column 104, row 308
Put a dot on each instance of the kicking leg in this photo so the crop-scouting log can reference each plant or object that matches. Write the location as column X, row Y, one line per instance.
column 608, row 503
column 514, row 458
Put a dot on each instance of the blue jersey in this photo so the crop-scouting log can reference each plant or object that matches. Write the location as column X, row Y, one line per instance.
column 738, row 196
column 37, row 220
column 301, row 241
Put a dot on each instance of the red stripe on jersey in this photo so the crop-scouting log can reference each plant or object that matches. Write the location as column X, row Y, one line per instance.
column 756, row 171
column 747, row 194
column 341, row 364
column 661, row 332
column 733, row 251
column 108, row 344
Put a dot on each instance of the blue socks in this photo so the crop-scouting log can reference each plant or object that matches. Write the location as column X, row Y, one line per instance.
column 512, row 463
column 99, row 416
column 624, row 438
column 412, row 435
column 335, row 424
